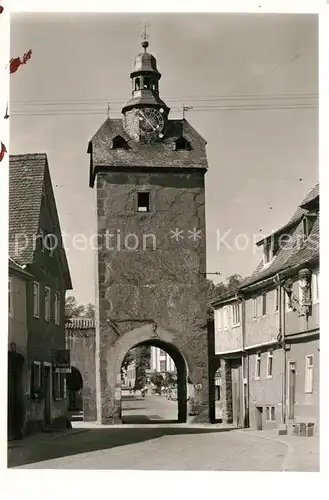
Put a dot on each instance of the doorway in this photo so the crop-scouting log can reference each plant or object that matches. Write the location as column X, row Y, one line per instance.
column 237, row 392
column 291, row 390
column 259, row 418
column 47, row 381
column 16, row 412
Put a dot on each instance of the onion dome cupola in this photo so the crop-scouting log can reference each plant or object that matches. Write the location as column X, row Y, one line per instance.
column 145, row 115
column 145, row 81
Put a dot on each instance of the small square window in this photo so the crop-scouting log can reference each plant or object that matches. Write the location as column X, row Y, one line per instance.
column 143, row 202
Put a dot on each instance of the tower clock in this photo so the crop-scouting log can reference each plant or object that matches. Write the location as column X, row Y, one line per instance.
column 145, row 115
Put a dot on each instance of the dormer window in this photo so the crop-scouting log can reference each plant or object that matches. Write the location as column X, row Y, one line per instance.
column 182, row 144
column 268, row 251
column 308, row 223
column 119, row 142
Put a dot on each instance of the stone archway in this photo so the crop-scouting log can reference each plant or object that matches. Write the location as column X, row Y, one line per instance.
column 182, row 373
column 111, row 357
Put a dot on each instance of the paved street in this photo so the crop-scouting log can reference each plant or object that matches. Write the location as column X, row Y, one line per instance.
column 164, row 447
column 139, row 410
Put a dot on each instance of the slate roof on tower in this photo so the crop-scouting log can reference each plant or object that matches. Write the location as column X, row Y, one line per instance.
column 159, row 154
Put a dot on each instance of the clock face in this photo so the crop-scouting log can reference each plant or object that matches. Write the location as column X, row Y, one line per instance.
column 151, row 123
column 145, row 124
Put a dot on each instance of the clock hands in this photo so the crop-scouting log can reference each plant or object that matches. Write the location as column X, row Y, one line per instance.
column 148, row 121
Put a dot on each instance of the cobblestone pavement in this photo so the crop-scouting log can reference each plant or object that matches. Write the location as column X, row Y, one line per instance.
column 145, row 444
column 160, row 449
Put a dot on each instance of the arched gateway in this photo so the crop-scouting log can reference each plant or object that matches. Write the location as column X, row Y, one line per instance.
column 151, row 243
column 148, row 335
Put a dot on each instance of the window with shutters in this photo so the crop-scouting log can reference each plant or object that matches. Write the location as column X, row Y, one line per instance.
column 257, row 366
column 35, row 378
column 36, row 300
column 269, row 371
column 47, row 303
column 235, row 315
column 58, row 385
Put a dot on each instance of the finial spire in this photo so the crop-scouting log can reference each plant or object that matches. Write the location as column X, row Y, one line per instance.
column 145, row 36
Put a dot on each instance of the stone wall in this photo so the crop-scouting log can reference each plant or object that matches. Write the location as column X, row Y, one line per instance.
column 148, row 276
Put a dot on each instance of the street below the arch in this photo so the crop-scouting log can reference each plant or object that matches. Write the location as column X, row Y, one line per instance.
column 163, row 447
column 147, row 410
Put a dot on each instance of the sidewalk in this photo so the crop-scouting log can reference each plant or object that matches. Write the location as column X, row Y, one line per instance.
column 303, row 453
column 19, row 451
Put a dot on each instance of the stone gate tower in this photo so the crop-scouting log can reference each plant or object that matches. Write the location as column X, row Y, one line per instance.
column 148, row 171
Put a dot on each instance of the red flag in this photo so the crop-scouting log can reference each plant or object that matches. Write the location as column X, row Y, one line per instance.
column 3, row 151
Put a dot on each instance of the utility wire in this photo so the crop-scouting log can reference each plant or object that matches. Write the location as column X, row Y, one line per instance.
column 198, row 98
column 60, row 112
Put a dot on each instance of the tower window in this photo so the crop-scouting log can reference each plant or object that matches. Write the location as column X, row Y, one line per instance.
column 137, row 84
column 182, row 143
column 146, row 84
column 119, row 142
column 143, row 202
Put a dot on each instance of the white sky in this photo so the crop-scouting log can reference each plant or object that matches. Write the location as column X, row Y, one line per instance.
column 256, row 158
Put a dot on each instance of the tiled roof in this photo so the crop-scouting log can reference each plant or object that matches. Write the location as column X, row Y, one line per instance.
column 299, row 213
column 29, row 177
column 159, row 154
column 295, row 251
column 80, row 324
column 26, row 180
column 314, row 193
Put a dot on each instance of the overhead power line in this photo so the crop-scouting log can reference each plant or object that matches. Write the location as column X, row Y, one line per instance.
column 196, row 109
column 184, row 98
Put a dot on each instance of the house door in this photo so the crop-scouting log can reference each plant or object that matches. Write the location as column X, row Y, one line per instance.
column 259, row 418
column 236, row 393
column 15, row 396
column 291, row 390
column 47, row 409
